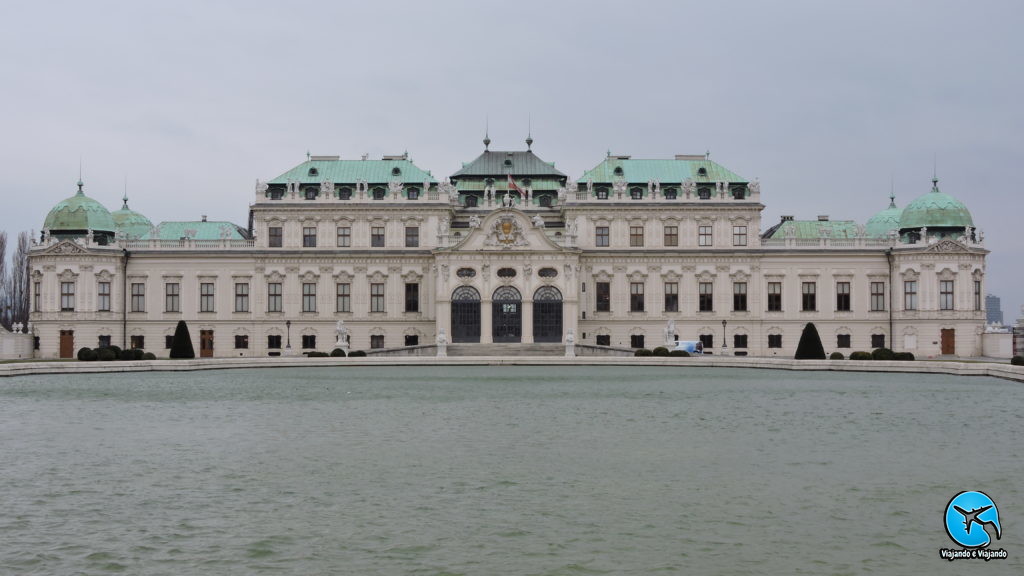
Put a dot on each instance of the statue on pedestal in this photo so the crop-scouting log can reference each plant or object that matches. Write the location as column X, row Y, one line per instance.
column 342, row 332
column 670, row 334
column 570, row 344
column 442, row 343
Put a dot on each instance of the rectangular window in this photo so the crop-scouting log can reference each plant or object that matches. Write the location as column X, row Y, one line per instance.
column 275, row 236
column 241, row 297
column 842, row 341
column 910, row 295
column 344, row 298
column 103, row 297
column 636, row 296
column 376, row 341
column 775, row 340
column 36, row 295
column 412, row 236
column 412, row 340
column 241, row 342
column 104, row 341
column 842, row 296
column 775, row 296
column 945, row 295
column 739, row 235
column 67, row 296
column 877, row 296
column 878, row 340
column 604, row 339
column 168, row 342
column 739, row 296
column 376, row 297
column 809, row 301
column 274, row 341
column 707, row 341
column 977, row 295
column 636, row 341
column 704, row 236
column 636, row 235
column 138, row 297
column 706, row 297
column 344, row 237
column 739, row 341
column 309, row 341
column 172, row 297
column 138, row 342
column 671, row 236
column 309, row 237
column 274, row 299
column 206, row 297
column 377, row 236
column 671, row 297
column 603, row 296
column 602, row 238
column 412, row 297
column 309, row 297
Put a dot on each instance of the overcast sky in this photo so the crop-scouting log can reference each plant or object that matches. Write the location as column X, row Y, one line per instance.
column 825, row 102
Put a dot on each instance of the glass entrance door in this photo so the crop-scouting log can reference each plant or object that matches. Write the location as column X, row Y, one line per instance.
column 507, row 315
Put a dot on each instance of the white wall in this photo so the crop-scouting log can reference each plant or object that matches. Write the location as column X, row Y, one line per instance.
column 15, row 346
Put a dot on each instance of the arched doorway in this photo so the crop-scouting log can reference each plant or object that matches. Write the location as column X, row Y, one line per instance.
column 507, row 315
column 547, row 314
column 465, row 314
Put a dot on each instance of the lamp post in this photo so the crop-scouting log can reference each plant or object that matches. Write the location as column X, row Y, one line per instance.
column 288, row 346
column 725, row 340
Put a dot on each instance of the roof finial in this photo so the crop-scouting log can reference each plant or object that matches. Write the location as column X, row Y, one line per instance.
column 529, row 132
column 125, row 197
column 308, row 155
column 80, row 174
column 892, row 191
column 487, row 133
column 707, row 155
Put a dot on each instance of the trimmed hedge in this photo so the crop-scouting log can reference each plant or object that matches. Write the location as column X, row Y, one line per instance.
column 337, row 352
column 903, row 356
column 1017, row 360
column 181, row 343
column 115, row 349
column 106, row 354
column 836, row 356
column 810, row 347
column 316, row 354
column 883, row 354
column 660, row 351
column 860, row 355
column 643, row 352
column 149, row 356
column 679, row 353
column 87, row 355
column 356, row 354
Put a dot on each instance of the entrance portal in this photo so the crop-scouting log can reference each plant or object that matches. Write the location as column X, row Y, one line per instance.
column 547, row 315
column 948, row 341
column 67, row 343
column 507, row 315
column 206, row 343
column 465, row 315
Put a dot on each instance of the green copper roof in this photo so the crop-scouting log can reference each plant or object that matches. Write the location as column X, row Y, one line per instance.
column 879, row 225
column 497, row 164
column 350, row 171
column 935, row 210
column 130, row 223
column 501, row 184
column 814, row 229
column 196, row 231
column 665, row 171
column 79, row 213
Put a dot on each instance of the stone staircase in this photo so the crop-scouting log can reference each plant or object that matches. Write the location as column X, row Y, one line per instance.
column 507, row 350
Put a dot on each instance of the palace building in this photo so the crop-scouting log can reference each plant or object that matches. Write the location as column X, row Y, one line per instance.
column 509, row 250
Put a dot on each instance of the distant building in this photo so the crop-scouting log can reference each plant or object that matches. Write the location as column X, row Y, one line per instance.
column 993, row 309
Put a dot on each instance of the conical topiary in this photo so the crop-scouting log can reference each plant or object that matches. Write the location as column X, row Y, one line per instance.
column 810, row 347
column 181, row 344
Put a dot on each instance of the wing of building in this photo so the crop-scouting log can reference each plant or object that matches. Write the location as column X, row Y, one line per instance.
column 636, row 253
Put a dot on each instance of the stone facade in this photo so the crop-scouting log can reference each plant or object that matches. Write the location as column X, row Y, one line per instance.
column 612, row 261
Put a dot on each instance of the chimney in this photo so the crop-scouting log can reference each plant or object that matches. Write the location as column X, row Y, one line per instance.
column 204, row 217
column 823, row 218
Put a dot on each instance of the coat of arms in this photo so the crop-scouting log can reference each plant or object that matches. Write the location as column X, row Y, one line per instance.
column 506, row 233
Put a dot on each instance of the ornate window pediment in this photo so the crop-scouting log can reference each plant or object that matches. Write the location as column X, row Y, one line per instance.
column 946, row 274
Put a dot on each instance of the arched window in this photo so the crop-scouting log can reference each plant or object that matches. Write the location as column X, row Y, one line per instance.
column 465, row 294
column 345, row 193
column 506, row 293
column 378, row 193
column 704, row 192
column 636, row 193
column 670, row 193
column 618, row 171
column 313, row 172
column 544, row 200
column 396, row 171
column 547, row 294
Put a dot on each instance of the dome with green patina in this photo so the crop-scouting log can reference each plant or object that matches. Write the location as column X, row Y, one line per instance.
column 79, row 214
column 935, row 210
column 881, row 224
column 130, row 223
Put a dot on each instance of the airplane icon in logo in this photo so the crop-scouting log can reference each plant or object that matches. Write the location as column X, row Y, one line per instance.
column 972, row 518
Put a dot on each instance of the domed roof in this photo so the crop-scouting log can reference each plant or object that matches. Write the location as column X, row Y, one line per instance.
column 881, row 224
column 935, row 210
column 131, row 223
column 79, row 213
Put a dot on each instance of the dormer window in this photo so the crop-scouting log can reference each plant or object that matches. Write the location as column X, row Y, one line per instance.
column 703, row 172
column 617, row 171
column 602, row 193
column 412, row 193
column 310, row 193
column 378, row 193
column 313, row 172
column 345, row 193
column 470, row 201
column 704, row 192
column 670, row 193
column 508, row 163
column 489, row 181
column 396, row 171
column 636, row 193
column 739, row 192
column 544, row 200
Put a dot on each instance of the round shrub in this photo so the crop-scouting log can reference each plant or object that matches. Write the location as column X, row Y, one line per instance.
column 643, row 352
column 1017, row 360
column 106, row 354
column 660, row 351
column 903, row 356
column 87, row 355
column 337, row 352
column 126, row 355
column 116, row 350
column 316, row 354
column 882, row 354
column 836, row 356
column 149, row 356
column 860, row 355
column 679, row 353
column 356, row 354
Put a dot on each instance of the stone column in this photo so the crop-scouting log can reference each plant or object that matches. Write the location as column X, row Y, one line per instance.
column 486, row 322
column 527, row 323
